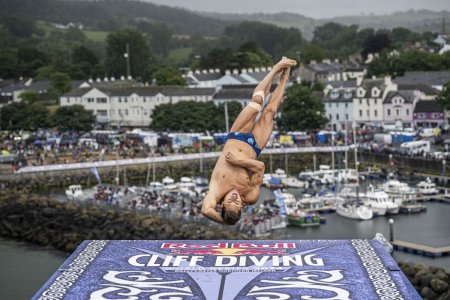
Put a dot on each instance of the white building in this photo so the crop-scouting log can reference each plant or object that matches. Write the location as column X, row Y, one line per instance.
column 368, row 100
column 131, row 107
column 339, row 108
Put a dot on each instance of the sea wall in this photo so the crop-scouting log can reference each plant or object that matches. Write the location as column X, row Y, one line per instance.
column 64, row 226
column 431, row 282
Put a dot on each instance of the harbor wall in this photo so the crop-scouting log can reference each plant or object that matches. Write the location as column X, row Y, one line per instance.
column 64, row 225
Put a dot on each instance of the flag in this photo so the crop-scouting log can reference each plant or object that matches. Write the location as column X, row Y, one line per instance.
column 280, row 199
column 96, row 174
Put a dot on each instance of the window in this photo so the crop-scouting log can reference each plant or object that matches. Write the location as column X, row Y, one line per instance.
column 337, row 105
column 389, row 112
column 397, row 111
column 360, row 101
column 360, row 112
column 120, row 112
column 329, row 105
column 330, row 117
column 346, row 105
column 368, row 113
column 90, row 100
column 120, row 100
column 375, row 101
column 126, row 112
column 102, row 112
column 102, row 100
column 346, row 116
column 375, row 113
column 337, row 117
column 407, row 112
column 125, row 99
column 368, row 102
column 68, row 100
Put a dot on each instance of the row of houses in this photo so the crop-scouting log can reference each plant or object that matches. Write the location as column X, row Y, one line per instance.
column 407, row 101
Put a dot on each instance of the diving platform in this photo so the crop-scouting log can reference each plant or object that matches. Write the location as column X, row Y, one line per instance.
column 224, row 270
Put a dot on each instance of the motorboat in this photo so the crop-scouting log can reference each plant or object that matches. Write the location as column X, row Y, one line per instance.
column 280, row 174
column 156, row 186
column 379, row 202
column 301, row 218
column 427, row 187
column 169, row 183
column 293, row 182
column 315, row 204
column 354, row 210
column 349, row 175
column 398, row 191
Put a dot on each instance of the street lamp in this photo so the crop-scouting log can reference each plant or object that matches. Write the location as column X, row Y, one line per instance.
column 443, row 167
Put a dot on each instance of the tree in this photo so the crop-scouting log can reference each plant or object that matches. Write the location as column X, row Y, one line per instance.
column 60, row 84
column 24, row 116
column 301, row 110
column 9, row 63
column 141, row 57
column 193, row 116
column 312, row 52
column 73, row 117
column 444, row 96
column 376, row 43
column 85, row 60
column 273, row 39
column 29, row 97
column 168, row 76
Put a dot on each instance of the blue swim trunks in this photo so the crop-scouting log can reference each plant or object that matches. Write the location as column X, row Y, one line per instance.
column 246, row 137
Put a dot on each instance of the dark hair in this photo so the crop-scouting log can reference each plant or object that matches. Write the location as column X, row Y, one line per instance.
column 230, row 217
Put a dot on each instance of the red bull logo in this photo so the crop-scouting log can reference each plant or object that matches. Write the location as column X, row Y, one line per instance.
column 228, row 248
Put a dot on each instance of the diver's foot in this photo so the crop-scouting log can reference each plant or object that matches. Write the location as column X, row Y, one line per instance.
column 285, row 63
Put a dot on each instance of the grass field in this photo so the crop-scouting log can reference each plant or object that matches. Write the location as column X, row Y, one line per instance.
column 96, row 36
column 178, row 55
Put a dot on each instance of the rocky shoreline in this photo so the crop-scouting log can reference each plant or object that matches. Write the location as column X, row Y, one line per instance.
column 431, row 282
column 64, row 226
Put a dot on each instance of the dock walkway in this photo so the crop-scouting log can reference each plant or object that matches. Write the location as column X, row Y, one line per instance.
column 420, row 249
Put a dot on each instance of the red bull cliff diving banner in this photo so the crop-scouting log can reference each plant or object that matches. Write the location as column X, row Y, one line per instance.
column 265, row 270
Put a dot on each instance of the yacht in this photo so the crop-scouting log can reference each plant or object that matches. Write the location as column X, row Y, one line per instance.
column 156, row 186
column 315, row 204
column 398, row 191
column 354, row 210
column 293, row 182
column 169, row 183
column 380, row 203
column 427, row 187
column 187, row 184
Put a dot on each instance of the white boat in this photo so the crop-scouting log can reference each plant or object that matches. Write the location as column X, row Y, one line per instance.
column 280, row 174
column 427, row 187
column 293, row 182
column 398, row 191
column 156, row 186
column 354, row 210
column 74, row 191
column 380, row 203
column 315, row 204
column 289, row 201
column 349, row 175
column 169, row 183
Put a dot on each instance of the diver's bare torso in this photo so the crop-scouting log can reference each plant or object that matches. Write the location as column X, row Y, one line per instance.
column 226, row 176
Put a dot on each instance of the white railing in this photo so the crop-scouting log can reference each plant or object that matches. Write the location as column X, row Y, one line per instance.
column 170, row 158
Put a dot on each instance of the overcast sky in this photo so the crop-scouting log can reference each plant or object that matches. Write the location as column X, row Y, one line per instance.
column 310, row 8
